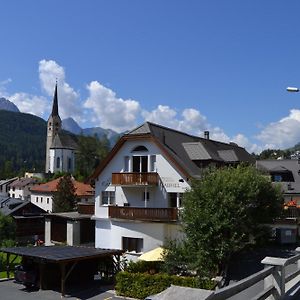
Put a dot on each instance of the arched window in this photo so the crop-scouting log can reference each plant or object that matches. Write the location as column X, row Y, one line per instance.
column 58, row 162
column 139, row 149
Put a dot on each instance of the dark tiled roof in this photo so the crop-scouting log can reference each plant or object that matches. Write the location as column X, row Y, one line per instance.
column 187, row 149
column 22, row 182
column 10, row 205
column 63, row 141
column 283, row 166
column 62, row 253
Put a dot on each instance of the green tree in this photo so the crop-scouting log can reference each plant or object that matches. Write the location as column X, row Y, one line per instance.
column 91, row 151
column 7, row 229
column 222, row 212
column 64, row 199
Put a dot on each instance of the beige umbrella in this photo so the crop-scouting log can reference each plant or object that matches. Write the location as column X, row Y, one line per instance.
column 153, row 255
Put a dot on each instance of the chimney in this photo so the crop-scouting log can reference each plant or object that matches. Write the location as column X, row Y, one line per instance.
column 206, row 134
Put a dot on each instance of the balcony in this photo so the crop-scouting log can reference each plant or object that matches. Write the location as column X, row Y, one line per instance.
column 135, row 179
column 86, row 208
column 143, row 214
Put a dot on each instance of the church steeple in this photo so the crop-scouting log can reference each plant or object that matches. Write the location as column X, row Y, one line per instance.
column 53, row 128
column 55, row 103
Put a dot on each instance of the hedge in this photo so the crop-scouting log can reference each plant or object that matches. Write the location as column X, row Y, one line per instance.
column 141, row 285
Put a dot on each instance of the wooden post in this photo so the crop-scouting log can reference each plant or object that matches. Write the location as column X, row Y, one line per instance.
column 7, row 264
column 63, row 274
column 41, row 269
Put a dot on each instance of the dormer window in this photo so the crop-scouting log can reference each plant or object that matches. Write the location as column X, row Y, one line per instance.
column 140, row 149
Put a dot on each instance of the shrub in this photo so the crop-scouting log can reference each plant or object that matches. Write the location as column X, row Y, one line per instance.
column 141, row 285
column 142, row 266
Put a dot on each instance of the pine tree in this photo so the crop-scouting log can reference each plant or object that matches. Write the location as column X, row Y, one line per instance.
column 64, row 199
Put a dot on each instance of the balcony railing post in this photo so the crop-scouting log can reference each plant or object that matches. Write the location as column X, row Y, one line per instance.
column 278, row 274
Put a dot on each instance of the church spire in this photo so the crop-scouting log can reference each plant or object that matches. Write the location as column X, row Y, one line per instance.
column 55, row 103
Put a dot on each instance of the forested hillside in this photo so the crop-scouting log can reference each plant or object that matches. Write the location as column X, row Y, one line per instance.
column 22, row 143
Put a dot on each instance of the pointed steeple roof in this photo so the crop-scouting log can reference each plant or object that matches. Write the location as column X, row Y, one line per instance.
column 55, row 103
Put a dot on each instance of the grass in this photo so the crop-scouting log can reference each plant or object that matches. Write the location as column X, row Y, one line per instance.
column 3, row 258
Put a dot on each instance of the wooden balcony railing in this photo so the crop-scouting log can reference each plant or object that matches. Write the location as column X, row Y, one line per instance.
column 86, row 208
column 135, row 178
column 143, row 214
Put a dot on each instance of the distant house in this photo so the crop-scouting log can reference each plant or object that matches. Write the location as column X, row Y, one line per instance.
column 286, row 174
column 139, row 187
column 28, row 217
column 20, row 188
column 41, row 194
column 4, row 186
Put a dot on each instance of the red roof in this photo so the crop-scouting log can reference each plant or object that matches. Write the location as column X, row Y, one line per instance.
column 81, row 189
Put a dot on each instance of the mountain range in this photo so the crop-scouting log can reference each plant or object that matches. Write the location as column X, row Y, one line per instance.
column 23, row 139
column 70, row 124
column 8, row 105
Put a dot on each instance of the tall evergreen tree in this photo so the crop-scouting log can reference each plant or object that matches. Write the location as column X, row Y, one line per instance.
column 64, row 199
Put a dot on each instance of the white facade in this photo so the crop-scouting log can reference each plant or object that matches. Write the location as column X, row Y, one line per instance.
column 113, row 233
column 42, row 200
column 21, row 192
column 62, row 160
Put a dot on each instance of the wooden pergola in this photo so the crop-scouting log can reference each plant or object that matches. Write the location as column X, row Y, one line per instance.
column 63, row 256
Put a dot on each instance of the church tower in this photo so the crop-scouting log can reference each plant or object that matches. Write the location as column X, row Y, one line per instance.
column 53, row 127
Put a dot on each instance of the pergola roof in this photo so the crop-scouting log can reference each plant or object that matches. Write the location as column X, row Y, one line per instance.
column 59, row 254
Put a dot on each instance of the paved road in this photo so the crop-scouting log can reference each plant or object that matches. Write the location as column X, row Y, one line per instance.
column 10, row 290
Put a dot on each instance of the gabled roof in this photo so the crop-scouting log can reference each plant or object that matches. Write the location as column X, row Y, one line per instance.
column 7, row 181
column 81, row 189
column 281, row 167
column 182, row 149
column 22, row 182
column 63, row 141
column 9, row 205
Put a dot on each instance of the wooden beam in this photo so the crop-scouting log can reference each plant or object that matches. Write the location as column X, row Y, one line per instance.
column 63, row 274
column 7, row 264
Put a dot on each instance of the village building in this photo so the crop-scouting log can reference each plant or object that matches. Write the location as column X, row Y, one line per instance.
column 60, row 146
column 20, row 188
column 139, row 186
column 4, row 186
column 42, row 194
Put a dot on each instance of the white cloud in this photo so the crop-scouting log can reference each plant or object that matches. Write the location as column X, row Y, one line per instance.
column 104, row 108
column 163, row 115
column 109, row 111
column 31, row 104
column 68, row 98
column 282, row 134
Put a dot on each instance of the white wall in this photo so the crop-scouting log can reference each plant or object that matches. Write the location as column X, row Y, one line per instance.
column 109, row 233
column 20, row 192
column 43, row 201
column 64, row 155
column 169, row 178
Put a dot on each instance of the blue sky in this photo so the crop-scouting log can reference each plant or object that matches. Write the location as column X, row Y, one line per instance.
column 221, row 66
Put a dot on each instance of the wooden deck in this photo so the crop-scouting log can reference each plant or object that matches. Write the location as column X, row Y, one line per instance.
column 135, row 179
column 143, row 214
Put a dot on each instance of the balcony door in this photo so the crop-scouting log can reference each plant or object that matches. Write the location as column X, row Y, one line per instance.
column 140, row 164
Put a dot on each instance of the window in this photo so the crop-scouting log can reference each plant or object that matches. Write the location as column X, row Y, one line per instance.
column 132, row 244
column 58, row 162
column 41, row 199
column 36, row 199
column 126, row 163
column 139, row 148
column 108, row 198
column 139, row 164
column 69, row 163
column 277, row 178
column 153, row 163
column 145, row 196
column 173, row 199
column 47, row 200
